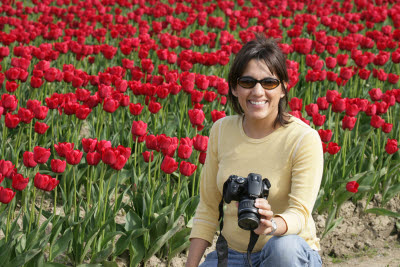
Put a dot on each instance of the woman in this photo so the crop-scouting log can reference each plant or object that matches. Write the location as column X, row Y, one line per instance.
column 261, row 139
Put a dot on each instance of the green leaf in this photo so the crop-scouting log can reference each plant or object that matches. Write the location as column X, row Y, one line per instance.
column 53, row 264
column 23, row 258
column 89, row 265
column 133, row 221
column 160, row 242
column 385, row 212
column 61, row 244
column 109, row 264
column 179, row 242
column 391, row 192
column 137, row 252
column 123, row 242
column 103, row 254
column 332, row 226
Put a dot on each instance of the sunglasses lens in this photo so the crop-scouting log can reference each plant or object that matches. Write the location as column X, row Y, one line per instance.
column 247, row 82
column 269, row 83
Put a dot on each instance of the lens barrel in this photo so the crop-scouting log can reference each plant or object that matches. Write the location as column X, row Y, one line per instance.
column 248, row 217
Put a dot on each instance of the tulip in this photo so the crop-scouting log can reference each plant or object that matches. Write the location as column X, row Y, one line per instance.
column 28, row 160
column 377, row 122
column 40, row 112
column 40, row 154
column 387, row 127
column 11, row 121
column 41, row 127
column 325, row 135
column 73, row 157
column 6, row 168
column 89, row 144
column 200, row 143
column 45, row 182
column 169, row 165
column 322, row 103
column 187, row 168
column 6, row 195
column 196, row 116
column 19, row 182
column 348, row 122
column 119, row 163
column 333, row 148
column 148, row 156
column 352, row 187
column 139, row 128
column 152, row 142
column 63, row 149
column 318, row 119
column 109, row 156
column 93, row 158
column 312, row 109
column 216, row 115
column 25, row 115
column 184, row 151
column 1, row 178
column 135, row 109
column 295, row 103
column 57, row 165
column 391, row 146
column 154, row 107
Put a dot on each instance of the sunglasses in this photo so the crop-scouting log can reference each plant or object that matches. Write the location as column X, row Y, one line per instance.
column 266, row 83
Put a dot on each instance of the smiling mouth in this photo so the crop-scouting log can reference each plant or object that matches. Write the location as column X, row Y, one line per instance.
column 258, row 102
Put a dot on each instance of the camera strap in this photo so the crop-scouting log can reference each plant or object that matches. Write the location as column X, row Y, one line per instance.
column 222, row 244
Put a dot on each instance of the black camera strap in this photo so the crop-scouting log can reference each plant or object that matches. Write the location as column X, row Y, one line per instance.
column 222, row 244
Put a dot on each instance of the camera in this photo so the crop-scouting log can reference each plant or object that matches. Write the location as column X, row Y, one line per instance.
column 246, row 190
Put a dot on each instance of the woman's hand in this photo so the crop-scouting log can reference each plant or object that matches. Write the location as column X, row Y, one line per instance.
column 264, row 209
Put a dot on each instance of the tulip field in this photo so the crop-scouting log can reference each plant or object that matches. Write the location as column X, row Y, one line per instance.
column 106, row 107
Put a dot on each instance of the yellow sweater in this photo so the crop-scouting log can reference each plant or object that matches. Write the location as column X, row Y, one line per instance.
column 291, row 158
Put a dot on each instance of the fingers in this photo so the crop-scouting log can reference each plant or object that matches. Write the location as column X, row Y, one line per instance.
column 264, row 228
column 262, row 204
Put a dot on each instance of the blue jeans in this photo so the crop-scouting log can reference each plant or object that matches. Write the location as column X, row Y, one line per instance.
column 290, row 250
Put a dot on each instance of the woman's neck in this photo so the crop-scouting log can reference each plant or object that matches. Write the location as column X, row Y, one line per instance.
column 258, row 129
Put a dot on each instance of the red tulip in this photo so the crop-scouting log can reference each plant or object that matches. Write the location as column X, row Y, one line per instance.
column 28, row 160
column 139, row 128
column 326, row 135
column 6, row 195
column 210, row 96
column 200, row 143
column 25, row 115
column 348, row 122
column 154, row 107
column 391, row 146
column 89, row 144
column 387, row 127
column 40, row 112
column 196, row 116
column 318, row 119
column 202, row 157
column 1, row 178
column 40, row 154
column 331, row 96
column 375, row 94
column 352, row 187
column 45, row 182
column 110, row 105
column 377, row 122
column 216, row 115
column 152, row 142
column 6, row 168
column 57, row 165
column 312, row 109
column 82, row 112
column 135, row 109
column 63, row 148
column 103, row 144
column 9, row 102
column 296, row 104
column 119, row 163
column 11, row 86
column 41, row 127
column 322, row 103
column 184, row 151
column 93, row 158
column 148, row 156
column 339, row 105
column 19, row 182
column 74, row 157
column 11, row 121
column 333, row 148
column 169, row 165
column 109, row 155
column 187, row 168
column 352, row 110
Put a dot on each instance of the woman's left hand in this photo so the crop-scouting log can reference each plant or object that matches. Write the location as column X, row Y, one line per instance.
column 264, row 209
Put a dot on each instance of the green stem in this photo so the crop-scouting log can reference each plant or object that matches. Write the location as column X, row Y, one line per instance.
column 32, row 209
column 116, row 194
column 178, row 192
column 40, row 211
column 4, row 142
column 8, row 222
column 89, row 186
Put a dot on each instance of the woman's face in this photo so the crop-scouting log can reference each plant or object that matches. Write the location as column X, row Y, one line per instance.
column 259, row 105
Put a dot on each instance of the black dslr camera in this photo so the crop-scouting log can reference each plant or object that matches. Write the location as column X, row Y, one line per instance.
column 246, row 190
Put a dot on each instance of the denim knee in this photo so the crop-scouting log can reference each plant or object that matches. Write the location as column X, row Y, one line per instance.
column 290, row 250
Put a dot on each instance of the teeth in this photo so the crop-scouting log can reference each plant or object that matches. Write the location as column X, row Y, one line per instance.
column 258, row 103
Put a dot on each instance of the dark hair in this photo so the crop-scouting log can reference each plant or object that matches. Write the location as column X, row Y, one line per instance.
column 267, row 50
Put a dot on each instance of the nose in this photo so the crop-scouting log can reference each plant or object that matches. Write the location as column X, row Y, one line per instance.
column 258, row 89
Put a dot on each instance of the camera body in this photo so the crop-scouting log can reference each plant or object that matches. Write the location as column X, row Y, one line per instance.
column 246, row 191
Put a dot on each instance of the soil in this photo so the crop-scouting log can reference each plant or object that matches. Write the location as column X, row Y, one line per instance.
column 362, row 239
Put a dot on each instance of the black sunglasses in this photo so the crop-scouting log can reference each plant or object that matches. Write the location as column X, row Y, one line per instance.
column 266, row 83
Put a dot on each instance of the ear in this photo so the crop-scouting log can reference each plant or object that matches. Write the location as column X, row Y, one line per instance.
column 234, row 92
column 282, row 92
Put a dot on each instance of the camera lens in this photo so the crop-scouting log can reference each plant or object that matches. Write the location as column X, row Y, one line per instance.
column 248, row 217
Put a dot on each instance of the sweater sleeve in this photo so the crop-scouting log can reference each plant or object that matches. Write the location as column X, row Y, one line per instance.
column 205, row 222
column 307, row 168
